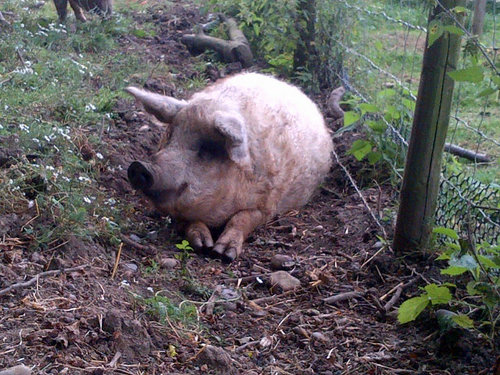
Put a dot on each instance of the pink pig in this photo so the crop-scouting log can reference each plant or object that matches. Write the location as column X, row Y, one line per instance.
column 237, row 153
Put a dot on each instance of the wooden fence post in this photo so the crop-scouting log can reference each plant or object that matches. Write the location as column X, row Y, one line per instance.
column 478, row 19
column 430, row 124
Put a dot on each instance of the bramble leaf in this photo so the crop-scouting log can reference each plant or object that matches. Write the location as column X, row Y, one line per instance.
column 473, row 74
column 453, row 271
column 411, row 308
column 463, row 321
column 350, row 117
column 435, row 31
column 438, row 294
column 446, row 232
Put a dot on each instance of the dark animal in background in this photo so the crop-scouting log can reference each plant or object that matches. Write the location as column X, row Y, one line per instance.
column 101, row 7
column 237, row 153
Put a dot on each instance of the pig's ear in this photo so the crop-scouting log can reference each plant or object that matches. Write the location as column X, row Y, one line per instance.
column 164, row 108
column 232, row 126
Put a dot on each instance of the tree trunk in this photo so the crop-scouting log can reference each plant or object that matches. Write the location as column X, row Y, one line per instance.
column 305, row 54
column 430, row 125
column 478, row 20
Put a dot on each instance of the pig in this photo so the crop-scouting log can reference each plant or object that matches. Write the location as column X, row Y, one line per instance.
column 236, row 154
column 102, row 7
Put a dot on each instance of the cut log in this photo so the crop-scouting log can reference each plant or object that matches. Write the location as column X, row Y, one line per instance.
column 333, row 103
column 467, row 154
column 235, row 49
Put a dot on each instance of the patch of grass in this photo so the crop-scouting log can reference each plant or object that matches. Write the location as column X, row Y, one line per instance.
column 58, row 88
column 164, row 310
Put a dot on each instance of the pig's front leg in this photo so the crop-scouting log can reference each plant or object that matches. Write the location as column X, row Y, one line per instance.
column 230, row 242
column 199, row 235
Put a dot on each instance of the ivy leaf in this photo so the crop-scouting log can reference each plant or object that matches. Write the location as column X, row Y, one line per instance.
column 473, row 74
column 350, row 117
column 411, row 308
column 463, row 321
column 496, row 80
column 452, row 29
column 453, row 271
column 438, row 294
column 446, row 232
column 435, row 31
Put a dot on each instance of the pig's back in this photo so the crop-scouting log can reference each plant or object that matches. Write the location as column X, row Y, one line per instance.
column 288, row 140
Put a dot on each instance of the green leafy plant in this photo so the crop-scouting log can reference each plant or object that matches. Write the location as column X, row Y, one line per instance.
column 479, row 294
column 163, row 309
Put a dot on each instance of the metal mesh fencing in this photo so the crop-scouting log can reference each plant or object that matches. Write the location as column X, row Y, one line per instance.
column 383, row 54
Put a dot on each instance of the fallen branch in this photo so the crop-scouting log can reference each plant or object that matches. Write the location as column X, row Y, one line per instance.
column 38, row 276
column 343, row 296
column 466, row 154
column 147, row 249
column 235, row 49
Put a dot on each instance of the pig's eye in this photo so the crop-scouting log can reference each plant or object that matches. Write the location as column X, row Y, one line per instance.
column 209, row 150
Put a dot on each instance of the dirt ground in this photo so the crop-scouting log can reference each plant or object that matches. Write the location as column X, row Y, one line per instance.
column 86, row 322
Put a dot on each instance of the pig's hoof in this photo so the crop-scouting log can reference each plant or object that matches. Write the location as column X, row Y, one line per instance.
column 199, row 236
column 228, row 247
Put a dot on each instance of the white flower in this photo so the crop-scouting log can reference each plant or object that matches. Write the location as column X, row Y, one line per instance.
column 99, row 155
column 87, row 200
column 24, row 127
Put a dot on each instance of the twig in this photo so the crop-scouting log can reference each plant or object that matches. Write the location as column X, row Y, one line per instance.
column 148, row 249
column 42, row 274
column 115, row 359
column 210, row 304
column 343, row 296
column 117, row 260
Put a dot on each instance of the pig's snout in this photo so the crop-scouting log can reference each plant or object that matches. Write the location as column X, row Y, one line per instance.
column 140, row 176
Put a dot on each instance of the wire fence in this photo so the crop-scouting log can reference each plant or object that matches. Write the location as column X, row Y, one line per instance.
column 385, row 52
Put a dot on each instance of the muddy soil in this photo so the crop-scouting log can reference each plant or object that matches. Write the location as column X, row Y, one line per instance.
column 84, row 321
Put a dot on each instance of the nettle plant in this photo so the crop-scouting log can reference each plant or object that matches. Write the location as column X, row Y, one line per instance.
column 476, row 294
column 390, row 108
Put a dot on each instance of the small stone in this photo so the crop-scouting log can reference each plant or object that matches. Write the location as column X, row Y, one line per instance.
column 284, row 280
column 135, row 238
column 153, row 235
column 318, row 336
column 169, row 263
column 216, row 358
column 130, row 267
column 16, row 370
column 282, row 262
column 301, row 331
column 378, row 245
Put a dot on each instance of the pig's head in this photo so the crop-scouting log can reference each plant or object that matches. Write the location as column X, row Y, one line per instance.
column 203, row 163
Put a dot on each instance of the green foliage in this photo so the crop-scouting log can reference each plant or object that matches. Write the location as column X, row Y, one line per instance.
column 482, row 263
column 269, row 26
column 163, row 309
column 58, row 93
